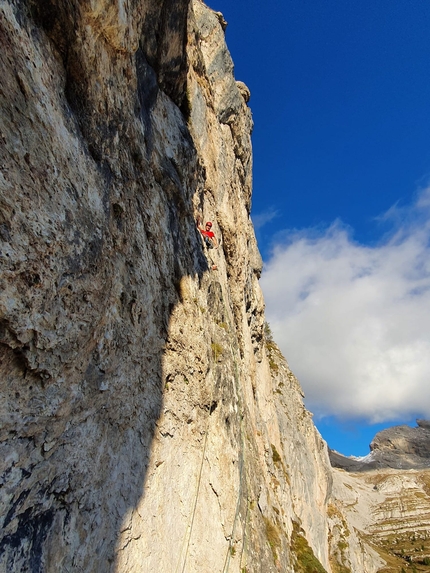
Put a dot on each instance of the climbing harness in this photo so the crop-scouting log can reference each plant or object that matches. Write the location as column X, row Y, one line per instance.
column 208, row 242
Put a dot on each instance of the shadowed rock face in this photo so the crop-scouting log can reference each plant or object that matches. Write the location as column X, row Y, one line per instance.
column 400, row 447
column 97, row 230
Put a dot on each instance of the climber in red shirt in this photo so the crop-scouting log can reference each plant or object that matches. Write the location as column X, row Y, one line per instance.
column 208, row 237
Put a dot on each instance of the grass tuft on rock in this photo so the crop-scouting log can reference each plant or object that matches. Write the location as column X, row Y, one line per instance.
column 306, row 562
column 273, row 537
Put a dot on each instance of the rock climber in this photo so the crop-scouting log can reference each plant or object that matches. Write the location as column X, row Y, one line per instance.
column 208, row 237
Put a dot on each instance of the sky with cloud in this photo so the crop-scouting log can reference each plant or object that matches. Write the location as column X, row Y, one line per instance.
column 340, row 96
column 354, row 320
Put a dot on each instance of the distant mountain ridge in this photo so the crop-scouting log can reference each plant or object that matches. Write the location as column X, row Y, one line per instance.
column 399, row 447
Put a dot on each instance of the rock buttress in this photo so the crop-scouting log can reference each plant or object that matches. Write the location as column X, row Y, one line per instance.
column 148, row 423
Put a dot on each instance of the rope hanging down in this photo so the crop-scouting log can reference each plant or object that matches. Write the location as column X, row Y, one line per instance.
column 187, row 537
column 199, row 479
column 241, row 474
column 230, row 545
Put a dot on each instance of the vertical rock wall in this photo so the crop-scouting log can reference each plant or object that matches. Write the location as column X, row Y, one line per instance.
column 148, row 423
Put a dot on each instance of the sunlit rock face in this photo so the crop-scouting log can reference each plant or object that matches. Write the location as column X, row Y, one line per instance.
column 148, row 421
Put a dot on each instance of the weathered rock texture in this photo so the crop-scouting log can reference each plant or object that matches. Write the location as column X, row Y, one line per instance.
column 148, row 422
column 389, row 511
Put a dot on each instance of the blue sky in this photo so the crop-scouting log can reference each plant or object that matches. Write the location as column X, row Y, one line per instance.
column 340, row 95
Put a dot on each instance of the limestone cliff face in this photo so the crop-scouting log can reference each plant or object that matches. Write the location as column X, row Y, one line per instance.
column 148, row 422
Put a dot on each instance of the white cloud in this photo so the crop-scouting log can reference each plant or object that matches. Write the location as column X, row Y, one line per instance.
column 261, row 219
column 354, row 321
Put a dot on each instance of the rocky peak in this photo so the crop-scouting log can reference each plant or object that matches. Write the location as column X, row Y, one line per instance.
column 404, row 441
column 399, row 447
